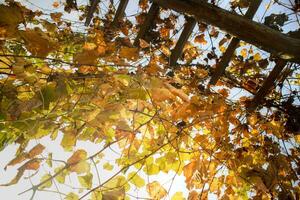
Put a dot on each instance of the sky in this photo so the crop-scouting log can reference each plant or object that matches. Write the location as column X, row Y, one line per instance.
column 7, row 154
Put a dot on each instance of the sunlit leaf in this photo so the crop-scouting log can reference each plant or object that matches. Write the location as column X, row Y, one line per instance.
column 48, row 183
column 136, row 180
column 86, row 181
column 156, row 191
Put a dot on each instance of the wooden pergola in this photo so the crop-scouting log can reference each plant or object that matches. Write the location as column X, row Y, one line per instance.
column 283, row 47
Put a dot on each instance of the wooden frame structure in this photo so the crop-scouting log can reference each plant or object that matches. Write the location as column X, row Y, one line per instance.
column 286, row 49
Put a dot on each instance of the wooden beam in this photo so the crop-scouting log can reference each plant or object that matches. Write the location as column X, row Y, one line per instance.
column 120, row 11
column 177, row 51
column 221, row 66
column 153, row 12
column 92, row 9
column 251, row 32
column 267, row 85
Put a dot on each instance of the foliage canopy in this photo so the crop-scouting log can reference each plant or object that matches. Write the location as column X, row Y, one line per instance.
column 92, row 84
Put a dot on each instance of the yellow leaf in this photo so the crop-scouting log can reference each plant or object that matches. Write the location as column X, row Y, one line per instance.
column 86, row 181
column 178, row 196
column 108, row 166
column 257, row 57
column 156, row 191
column 222, row 49
column 48, row 183
column 297, row 138
column 77, row 162
column 214, row 185
column 61, row 176
column 118, row 181
column 136, row 180
column 89, row 46
column 97, row 195
column 72, row 196
column 244, row 53
column 69, row 140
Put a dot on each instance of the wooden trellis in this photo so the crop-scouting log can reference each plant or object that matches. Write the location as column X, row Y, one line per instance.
column 243, row 28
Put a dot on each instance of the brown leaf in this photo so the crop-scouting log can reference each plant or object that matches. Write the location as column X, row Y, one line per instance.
column 77, row 156
column 38, row 149
column 38, row 42
column 129, row 53
column 200, row 39
column 30, row 165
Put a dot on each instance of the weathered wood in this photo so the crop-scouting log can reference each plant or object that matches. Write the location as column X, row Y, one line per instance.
column 153, row 12
column 177, row 51
column 221, row 66
column 92, row 9
column 251, row 32
column 120, row 11
column 267, row 85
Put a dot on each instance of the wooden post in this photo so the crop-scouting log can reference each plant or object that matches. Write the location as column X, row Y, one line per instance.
column 153, row 12
column 267, row 85
column 120, row 11
column 267, row 39
column 91, row 11
column 221, row 66
column 177, row 51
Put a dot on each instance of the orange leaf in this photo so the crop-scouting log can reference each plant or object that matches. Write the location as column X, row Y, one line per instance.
column 156, row 191
column 200, row 39
column 38, row 149
column 78, row 156
column 30, row 165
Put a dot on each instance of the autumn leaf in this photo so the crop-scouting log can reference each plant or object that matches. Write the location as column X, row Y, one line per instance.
column 178, row 196
column 189, row 170
column 56, row 16
column 136, row 180
column 200, row 39
column 86, row 181
column 78, row 162
column 48, row 183
column 108, row 166
column 143, row 43
column 71, row 196
column 129, row 53
column 155, row 190
column 117, row 194
column 38, row 42
column 55, row 4
column 36, row 150
column 29, row 165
